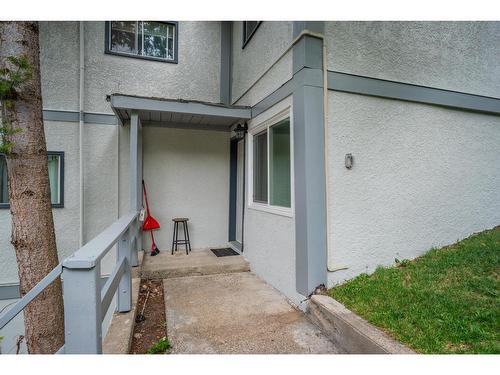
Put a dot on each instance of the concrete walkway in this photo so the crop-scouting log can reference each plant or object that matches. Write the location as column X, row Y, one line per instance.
column 236, row 313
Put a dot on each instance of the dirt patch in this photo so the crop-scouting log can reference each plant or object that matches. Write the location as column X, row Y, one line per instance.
column 153, row 328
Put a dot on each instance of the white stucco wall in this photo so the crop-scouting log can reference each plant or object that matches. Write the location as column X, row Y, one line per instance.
column 269, row 42
column 195, row 76
column 269, row 238
column 423, row 176
column 60, row 136
column 100, row 182
column 187, row 175
column 59, row 64
column 460, row 56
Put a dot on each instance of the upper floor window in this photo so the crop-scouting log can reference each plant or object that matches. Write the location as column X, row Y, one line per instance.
column 55, row 162
column 249, row 28
column 144, row 39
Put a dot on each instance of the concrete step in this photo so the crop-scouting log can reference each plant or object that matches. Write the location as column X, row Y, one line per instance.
column 198, row 262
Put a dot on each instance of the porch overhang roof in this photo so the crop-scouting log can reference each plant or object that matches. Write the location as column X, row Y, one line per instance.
column 178, row 113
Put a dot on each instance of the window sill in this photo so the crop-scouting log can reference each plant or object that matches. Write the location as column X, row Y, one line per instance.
column 174, row 61
column 275, row 210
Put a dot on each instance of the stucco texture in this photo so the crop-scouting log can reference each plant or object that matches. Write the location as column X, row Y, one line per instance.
column 59, row 65
column 187, row 175
column 196, row 76
column 423, row 176
column 268, row 43
column 460, row 56
column 100, row 192
column 60, row 136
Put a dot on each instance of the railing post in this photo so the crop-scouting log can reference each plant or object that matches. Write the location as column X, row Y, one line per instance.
column 82, row 309
column 124, row 294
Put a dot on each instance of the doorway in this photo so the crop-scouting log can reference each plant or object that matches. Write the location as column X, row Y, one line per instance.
column 237, row 193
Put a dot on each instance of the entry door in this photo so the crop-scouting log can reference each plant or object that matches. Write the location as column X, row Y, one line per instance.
column 239, row 191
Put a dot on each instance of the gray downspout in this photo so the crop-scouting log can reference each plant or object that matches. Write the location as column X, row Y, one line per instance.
column 80, row 129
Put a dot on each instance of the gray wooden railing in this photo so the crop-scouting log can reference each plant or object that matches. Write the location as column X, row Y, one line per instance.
column 85, row 303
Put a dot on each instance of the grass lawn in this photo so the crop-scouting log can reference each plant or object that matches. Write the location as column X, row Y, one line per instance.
column 446, row 301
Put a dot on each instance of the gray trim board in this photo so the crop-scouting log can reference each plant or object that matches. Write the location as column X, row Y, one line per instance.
column 414, row 93
column 74, row 116
column 179, row 106
column 225, row 63
column 186, row 125
column 9, row 291
column 309, row 161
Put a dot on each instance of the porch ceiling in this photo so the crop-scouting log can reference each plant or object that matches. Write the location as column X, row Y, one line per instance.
column 178, row 113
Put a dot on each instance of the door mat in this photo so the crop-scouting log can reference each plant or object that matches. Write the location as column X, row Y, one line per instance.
column 224, row 252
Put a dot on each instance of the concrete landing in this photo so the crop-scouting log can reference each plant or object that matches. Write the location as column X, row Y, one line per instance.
column 198, row 262
column 236, row 313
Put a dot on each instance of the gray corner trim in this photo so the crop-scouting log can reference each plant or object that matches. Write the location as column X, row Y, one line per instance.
column 309, row 160
column 74, row 116
column 304, row 77
column 404, row 91
column 225, row 63
column 305, row 54
column 314, row 26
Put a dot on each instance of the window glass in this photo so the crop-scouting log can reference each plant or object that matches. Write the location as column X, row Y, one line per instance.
column 248, row 30
column 279, row 164
column 143, row 38
column 124, row 36
column 156, row 36
column 4, row 193
column 54, row 172
column 260, row 167
column 54, row 166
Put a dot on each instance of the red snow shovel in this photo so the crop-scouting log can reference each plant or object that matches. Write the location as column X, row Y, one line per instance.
column 150, row 223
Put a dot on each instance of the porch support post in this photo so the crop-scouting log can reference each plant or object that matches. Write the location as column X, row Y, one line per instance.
column 136, row 178
column 309, row 162
column 82, row 309
column 124, row 294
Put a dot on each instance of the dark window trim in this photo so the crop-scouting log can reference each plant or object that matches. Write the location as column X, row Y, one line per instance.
column 61, row 182
column 247, row 39
column 108, row 51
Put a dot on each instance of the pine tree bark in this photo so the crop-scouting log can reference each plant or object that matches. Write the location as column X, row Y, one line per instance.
column 33, row 235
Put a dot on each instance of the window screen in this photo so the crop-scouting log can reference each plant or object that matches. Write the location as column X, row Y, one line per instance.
column 260, row 167
column 279, row 164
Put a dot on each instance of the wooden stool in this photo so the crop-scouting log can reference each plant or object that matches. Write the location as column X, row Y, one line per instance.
column 175, row 239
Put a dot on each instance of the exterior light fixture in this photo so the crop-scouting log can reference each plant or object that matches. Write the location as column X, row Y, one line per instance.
column 349, row 160
column 240, row 131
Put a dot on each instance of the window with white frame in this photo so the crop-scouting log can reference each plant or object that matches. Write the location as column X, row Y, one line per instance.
column 55, row 163
column 271, row 165
column 144, row 39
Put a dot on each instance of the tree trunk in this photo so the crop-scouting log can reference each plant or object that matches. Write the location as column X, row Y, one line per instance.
column 33, row 235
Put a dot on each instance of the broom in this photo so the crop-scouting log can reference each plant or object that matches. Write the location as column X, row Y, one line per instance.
column 150, row 223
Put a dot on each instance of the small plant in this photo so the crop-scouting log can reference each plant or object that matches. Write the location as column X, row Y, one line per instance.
column 159, row 347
